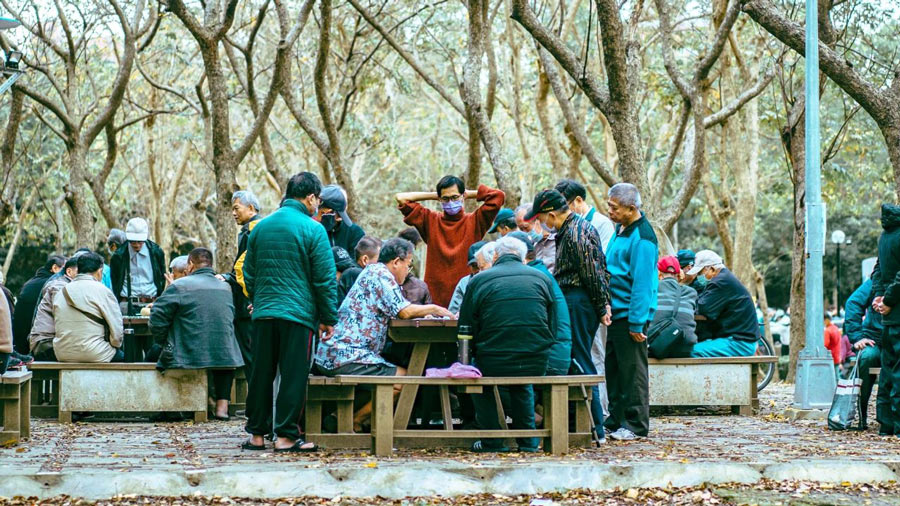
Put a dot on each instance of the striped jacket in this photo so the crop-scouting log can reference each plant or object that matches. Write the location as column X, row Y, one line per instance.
column 666, row 297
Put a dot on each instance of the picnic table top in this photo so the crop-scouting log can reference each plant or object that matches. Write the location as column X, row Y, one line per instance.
column 422, row 380
column 423, row 322
column 136, row 320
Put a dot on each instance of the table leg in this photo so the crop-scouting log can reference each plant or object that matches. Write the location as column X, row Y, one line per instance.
column 382, row 423
column 445, row 407
column 408, row 393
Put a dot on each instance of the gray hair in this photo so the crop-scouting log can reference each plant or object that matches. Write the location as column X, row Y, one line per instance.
column 626, row 194
column 179, row 263
column 116, row 236
column 526, row 208
column 486, row 252
column 511, row 246
column 247, row 198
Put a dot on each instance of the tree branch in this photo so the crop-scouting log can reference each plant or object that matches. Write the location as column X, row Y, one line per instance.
column 720, row 116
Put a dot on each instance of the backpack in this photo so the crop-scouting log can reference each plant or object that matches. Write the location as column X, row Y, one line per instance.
column 665, row 337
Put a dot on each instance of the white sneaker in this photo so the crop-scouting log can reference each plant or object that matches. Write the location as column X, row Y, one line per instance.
column 623, row 434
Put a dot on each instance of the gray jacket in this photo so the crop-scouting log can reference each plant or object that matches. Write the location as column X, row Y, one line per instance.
column 196, row 316
column 667, row 295
column 43, row 327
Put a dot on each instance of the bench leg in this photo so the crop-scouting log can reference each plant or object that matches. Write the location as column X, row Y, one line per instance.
column 446, row 412
column 556, row 419
column 408, row 393
column 312, row 418
column 11, row 402
column 383, row 420
column 65, row 416
column 345, row 417
column 25, row 410
column 754, row 392
column 200, row 416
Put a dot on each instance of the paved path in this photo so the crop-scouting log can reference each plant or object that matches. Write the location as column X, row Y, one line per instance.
column 683, row 448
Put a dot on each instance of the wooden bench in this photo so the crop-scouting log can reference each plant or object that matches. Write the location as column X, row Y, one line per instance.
column 714, row 381
column 117, row 387
column 15, row 410
column 555, row 400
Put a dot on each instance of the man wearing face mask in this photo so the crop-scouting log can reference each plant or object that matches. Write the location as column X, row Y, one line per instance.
column 576, row 196
column 543, row 239
column 730, row 328
column 450, row 233
column 333, row 216
column 686, row 259
column 291, row 279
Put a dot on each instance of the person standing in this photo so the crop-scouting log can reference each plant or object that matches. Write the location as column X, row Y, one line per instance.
column 544, row 242
column 291, row 279
column 138, row 271
column 28, row 299
column 582, row 276
column 886, row 287
column 245, row 210
column 632, row 260
column 342, row 232
column 450, row 233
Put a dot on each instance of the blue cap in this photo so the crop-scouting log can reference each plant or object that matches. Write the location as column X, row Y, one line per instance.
column 504, row 214
column 685, row 257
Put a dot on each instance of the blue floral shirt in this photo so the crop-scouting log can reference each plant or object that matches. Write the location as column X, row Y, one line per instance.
column 363, row 320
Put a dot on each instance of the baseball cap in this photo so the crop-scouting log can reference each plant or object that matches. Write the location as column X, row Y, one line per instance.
column 704, row 259
column 137, row 230
column 333, row 198
column 342, row 259
column 668, row 264
column 504, row 214
column 474, row 249
column 544, row 202
column 522, row 236
column 685, row 257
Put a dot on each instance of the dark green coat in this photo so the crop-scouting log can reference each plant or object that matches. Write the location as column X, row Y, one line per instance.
column 511, row 310
column 289, row 269
column 196, row 315
column 886, row 278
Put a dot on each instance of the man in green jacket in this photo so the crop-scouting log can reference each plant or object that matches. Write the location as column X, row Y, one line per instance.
column 290, row 276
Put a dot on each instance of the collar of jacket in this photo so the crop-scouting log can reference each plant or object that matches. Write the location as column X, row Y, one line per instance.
column 204, row 270
column 567, row 222
column 535, row 262
column 627, row 230
column 295, row 204
column 246, row 226
column 82, row 277
column 508, row 258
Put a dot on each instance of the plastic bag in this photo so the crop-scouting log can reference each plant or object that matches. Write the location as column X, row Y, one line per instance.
column 846, row 397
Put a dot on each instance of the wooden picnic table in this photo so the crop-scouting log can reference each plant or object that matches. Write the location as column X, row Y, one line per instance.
column 138, row 342
column 421, row 333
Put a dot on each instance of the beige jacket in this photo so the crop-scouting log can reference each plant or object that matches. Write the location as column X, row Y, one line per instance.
column 78, row 338
column 6, row 334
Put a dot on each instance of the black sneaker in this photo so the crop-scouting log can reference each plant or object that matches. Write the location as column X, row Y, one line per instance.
column 14, row 363
column 25, row 359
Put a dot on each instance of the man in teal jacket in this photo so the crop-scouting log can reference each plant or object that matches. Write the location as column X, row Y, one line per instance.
column 631, row 259
column 290, row 276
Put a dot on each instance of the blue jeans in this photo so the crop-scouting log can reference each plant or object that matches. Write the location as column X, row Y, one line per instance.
column 521, row 410
column 724, row 347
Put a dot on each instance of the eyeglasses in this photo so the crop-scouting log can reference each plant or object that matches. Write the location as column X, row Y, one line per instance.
column 450, row 198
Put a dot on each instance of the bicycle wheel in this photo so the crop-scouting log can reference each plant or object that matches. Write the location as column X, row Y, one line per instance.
column 766, row 371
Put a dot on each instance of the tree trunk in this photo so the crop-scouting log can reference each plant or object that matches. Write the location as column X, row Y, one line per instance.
column 82, row 219
column 794, row 137
column 746, row 186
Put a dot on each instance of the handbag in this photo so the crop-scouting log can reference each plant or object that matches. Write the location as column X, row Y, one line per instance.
column 664, row 337
column 844, row 405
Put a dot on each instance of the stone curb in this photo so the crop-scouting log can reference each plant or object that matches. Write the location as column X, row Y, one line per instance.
column 398, row 480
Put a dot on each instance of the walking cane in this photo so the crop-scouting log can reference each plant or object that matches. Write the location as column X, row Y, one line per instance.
column 587, row 402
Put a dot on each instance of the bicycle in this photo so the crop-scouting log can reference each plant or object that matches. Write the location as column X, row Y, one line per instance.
column 767, row 370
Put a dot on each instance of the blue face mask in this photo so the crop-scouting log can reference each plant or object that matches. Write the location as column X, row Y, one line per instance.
column 453, row 207
column 535, row 237
column 701, row 281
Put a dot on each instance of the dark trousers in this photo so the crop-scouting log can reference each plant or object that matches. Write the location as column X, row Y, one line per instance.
column 222, row 379
column 43, row 351
column 627, row 380
column 243, row 330
column 119, row 356
column 282, row 346
column 889, row 381
column 4, row 362
column 585, row 322
column 867, row 358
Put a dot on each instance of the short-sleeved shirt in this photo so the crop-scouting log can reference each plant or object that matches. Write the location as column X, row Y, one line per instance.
column 363, row 320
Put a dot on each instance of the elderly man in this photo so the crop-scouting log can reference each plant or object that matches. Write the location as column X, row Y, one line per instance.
column 333, row 216
column 291, row 279
column 114, row 241
column 686, row 259
column 192, row 323
column 87, row 317
column 582, row 276
column 28, row 299
column 730, row 328
column 864, row 329
column 44, row 329
column 138, row 271
column 576, row 196
column 631, row 257
column 886, row 288
column 450, row 233
column 544, row 241
column 178, row 268
column 678, row 303
column 504, row 223
column 511, row 314
column 366, row 252
column 363, row 319
column 481, row 256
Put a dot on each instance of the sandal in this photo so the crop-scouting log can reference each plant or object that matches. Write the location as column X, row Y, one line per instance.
column 247, row 445
column 298, row 448
column 478, row 447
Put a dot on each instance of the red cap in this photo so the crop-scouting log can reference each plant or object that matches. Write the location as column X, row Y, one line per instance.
column 668, row 264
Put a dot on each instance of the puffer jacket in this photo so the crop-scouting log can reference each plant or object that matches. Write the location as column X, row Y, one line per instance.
column 511, row 311
column 886, row 278
column 289, row 269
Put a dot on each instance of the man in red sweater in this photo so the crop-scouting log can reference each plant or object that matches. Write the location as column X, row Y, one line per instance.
column 833, row 343
column 449, row 234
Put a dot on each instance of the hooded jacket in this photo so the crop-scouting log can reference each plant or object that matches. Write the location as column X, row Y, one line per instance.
column 886, row 278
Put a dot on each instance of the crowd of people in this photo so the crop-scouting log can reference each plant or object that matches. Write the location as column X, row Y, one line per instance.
column 552, row 288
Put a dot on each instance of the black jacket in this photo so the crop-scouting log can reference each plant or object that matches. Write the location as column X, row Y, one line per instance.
column 510, row 308
column 23, row 315
column 346, row 237
column 729, row 310
column 240, row 300
column 886, row 278
column 120, row 267
column 348, row 279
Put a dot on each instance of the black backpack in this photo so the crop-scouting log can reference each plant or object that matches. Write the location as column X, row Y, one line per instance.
column 665, row 338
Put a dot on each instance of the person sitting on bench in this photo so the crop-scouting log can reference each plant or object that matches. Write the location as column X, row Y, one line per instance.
column 730, row 328
column 87, row 317
column 192, row 323
column 6, row 334
column 43, row 330
column 364, row 316
column 511, row 312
